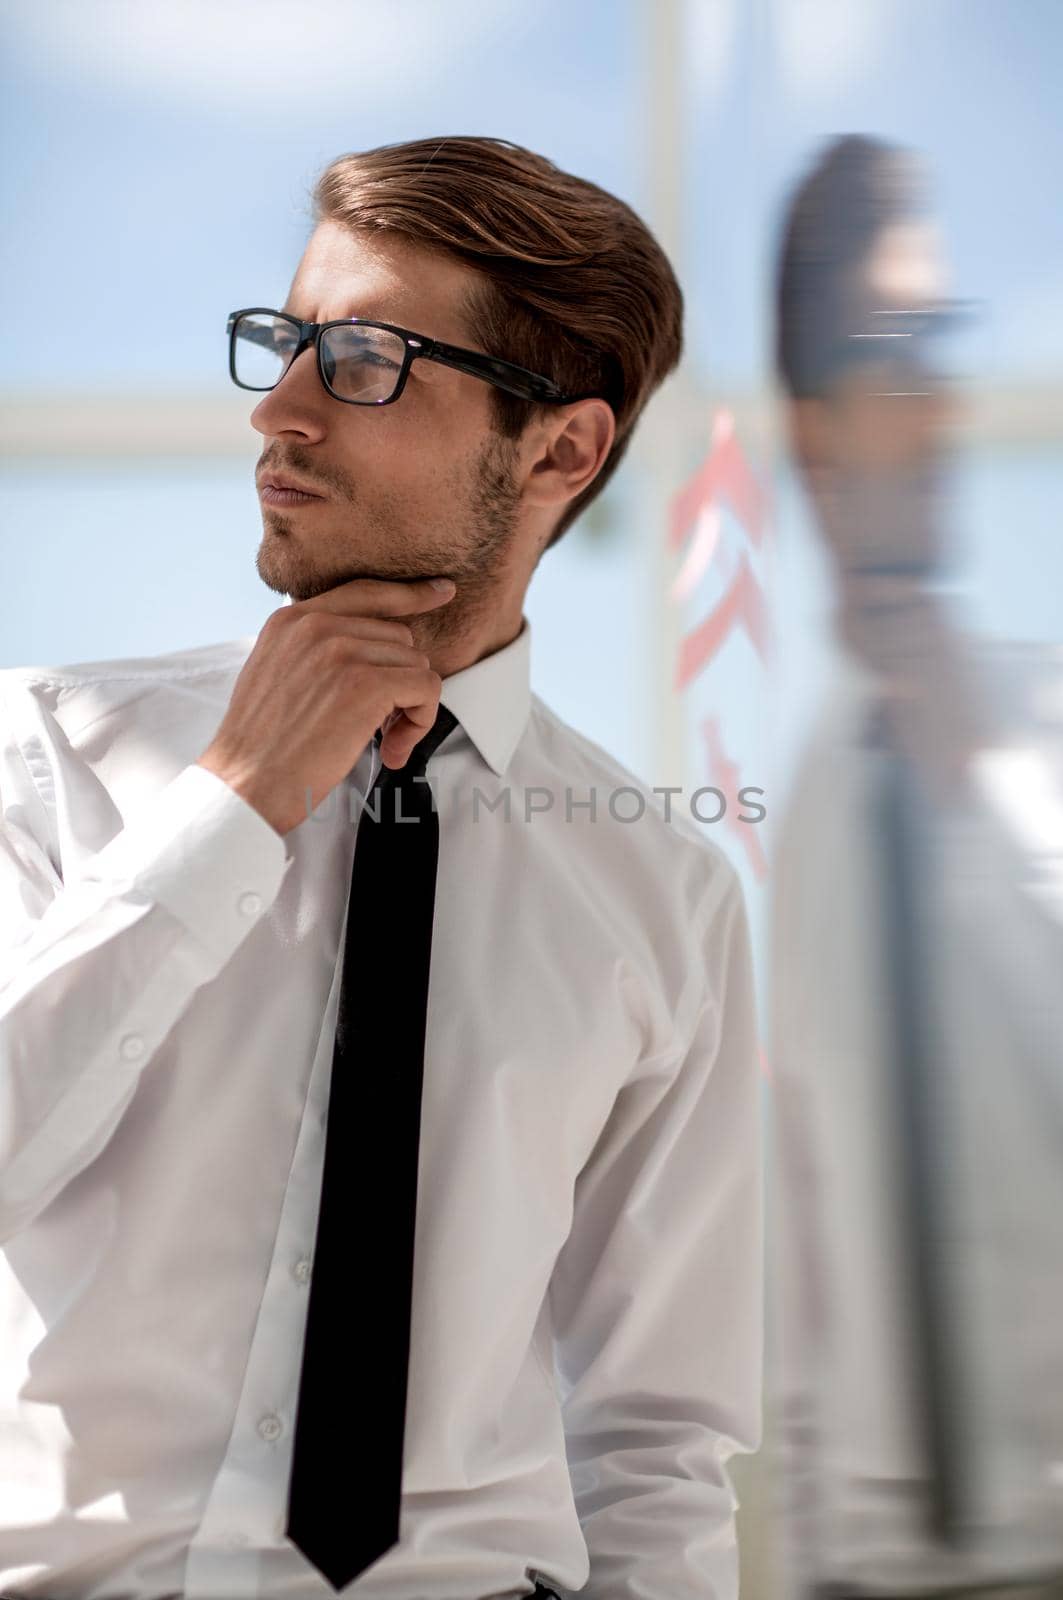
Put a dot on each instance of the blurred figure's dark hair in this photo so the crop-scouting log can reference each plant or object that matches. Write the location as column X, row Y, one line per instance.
column 854, row 189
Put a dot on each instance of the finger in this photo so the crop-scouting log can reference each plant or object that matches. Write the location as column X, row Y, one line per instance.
column 417, row 706
column 378, row 628
column 401, row 738
column 386, row 653
column 378, row 597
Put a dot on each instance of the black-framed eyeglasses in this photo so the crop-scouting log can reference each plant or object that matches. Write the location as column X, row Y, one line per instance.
column 361, row 362
column 909, row 341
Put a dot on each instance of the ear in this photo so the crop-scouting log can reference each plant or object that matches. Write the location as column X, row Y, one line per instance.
column 567, row 452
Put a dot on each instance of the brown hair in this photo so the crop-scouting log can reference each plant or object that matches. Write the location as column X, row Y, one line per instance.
column 573, row 284
column 856, row 187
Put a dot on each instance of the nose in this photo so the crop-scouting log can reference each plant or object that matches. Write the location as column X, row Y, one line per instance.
column 297, row 404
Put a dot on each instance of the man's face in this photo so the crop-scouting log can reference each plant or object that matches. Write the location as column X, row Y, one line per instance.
column 890, row 411
column 875, row 448
column 421, row 487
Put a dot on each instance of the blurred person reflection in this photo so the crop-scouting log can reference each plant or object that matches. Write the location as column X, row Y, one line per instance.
column 917, row 930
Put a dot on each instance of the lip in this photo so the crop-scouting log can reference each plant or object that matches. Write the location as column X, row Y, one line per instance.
column 280, row 489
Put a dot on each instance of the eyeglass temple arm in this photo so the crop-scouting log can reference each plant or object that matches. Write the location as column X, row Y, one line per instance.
column 504, row 374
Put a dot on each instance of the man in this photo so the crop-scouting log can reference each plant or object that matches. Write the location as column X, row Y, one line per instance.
column 917, row 919
column 466, row 345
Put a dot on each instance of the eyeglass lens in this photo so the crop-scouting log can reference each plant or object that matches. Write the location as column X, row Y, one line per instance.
column 360, row 363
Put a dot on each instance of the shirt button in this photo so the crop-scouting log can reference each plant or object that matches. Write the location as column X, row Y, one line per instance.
column 131, row 1046
column 250, row 904
column 301, row 1269
column 269, row 1426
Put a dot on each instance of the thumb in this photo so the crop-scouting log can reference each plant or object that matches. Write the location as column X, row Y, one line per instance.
column 400, row 734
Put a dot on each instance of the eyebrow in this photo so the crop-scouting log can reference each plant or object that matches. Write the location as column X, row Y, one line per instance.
column 369, row 316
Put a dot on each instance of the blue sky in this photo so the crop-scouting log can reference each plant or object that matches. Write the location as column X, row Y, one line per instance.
column 159, row 156
column 167, row 163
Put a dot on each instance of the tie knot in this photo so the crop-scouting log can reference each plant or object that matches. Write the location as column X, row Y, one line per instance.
column 420, row 755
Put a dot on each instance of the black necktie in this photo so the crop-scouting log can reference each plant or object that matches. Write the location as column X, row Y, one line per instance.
column 346, row 1480
column 922, row 1169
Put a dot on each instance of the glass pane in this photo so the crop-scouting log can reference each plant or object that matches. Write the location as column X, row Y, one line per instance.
column 362, row 363
column 264, row 347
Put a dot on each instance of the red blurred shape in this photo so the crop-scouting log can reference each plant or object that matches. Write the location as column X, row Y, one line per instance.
column 725, row 474
column 724, row 775
column 742, row 603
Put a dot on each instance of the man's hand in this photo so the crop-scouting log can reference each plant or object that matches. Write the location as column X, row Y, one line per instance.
column 323, row 675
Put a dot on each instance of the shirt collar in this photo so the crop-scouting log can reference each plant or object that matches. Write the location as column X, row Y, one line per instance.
column 491, row 698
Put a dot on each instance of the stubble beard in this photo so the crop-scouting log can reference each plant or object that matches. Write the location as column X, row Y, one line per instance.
column 490, row 529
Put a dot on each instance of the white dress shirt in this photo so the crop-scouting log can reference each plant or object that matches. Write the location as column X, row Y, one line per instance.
column 586, row 1326
column 849, row 1460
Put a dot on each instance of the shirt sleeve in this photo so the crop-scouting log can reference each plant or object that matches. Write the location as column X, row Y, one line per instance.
column 656, row 1297
column 799, row 1303
column 1019, row 790
column 96, row 970
column 1007, row 887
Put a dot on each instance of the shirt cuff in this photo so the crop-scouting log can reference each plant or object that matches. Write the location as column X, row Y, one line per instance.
column 202, row 851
